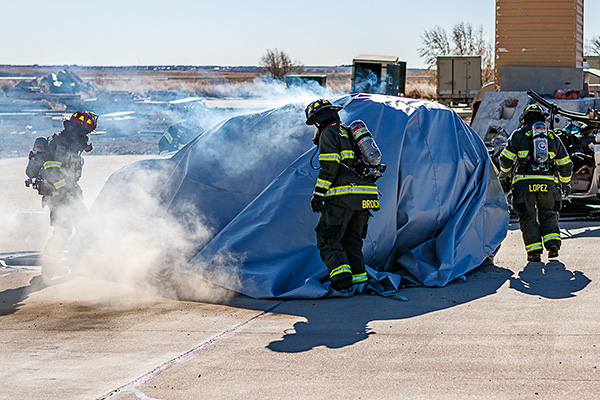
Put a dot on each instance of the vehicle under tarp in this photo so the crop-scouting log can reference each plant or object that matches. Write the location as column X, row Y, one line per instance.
column 248, row 182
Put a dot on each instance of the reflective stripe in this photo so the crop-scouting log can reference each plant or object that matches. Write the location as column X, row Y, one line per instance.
column 552, row 155
column 518, row 178
column 358, row 278
column 564, row 180
column 534, row 247
column 323, row 183
column 523, row 154
column 507, row 169
column 563, row 161
column 52, row 164
column 508, row 154
column 340, row 270
column 59, row 184
column 341, row 190
column 329, row 157
column 169, row 137
column 552, row 236
column 347, row 154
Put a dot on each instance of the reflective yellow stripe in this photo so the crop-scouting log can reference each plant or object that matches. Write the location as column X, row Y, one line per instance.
column 52, row 164
column 534, row 247
column 552, row 155
column 322, row 183
column 59, row 184
column 563, row 161
column 508, row 154
column 552, row 236
column 507, row 169
column 341, row 190
column 564, row 179
column 168, row 137
column 340, row 270
column 523, row 154
column 329, row 157
column 347, row 154
column 526, row 177
column 358, row 278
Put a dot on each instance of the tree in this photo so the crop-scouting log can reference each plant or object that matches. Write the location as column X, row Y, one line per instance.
column 278, row 64
column 593, row 47
column 465, row 41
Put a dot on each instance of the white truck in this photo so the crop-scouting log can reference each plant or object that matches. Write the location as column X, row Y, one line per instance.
column 458, row 79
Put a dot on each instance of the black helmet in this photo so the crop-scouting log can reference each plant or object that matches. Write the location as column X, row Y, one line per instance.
column 532, row 113
column 317, row 106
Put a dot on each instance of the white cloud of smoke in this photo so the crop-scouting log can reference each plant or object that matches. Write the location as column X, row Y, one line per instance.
column 134, row 240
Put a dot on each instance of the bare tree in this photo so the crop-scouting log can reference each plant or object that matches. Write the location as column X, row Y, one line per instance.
column 593, row 46
column 435, row 43
column 278, row 64
column 466, row 41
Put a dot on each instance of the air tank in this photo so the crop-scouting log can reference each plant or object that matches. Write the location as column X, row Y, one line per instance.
column 365, row 142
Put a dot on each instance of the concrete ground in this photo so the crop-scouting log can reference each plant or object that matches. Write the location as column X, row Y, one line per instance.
column 510, row 331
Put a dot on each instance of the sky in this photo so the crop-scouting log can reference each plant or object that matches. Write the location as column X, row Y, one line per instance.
column 232, row 32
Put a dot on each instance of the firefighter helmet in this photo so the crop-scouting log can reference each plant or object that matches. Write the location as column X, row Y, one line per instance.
column 315, row 107
column 532, row 113
column 85, row 119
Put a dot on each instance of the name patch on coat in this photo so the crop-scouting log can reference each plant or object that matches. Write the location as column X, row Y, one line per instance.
column 370, row 204
column 538, row 187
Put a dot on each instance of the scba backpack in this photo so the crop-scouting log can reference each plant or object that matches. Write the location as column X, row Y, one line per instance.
column 538, row 157
column 37, row 158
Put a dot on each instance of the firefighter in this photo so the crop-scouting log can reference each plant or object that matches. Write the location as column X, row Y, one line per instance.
column 61, row 193
column 542, row 171
column 179, row 134
column 343, row 198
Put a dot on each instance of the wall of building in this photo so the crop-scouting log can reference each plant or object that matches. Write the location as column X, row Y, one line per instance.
column 540, row 33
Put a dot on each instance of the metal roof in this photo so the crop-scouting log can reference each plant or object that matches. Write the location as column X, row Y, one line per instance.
column 376, row 58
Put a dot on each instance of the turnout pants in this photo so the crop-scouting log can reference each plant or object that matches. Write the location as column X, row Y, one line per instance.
column 64, row 216
column 538, row 218
column 340, row 234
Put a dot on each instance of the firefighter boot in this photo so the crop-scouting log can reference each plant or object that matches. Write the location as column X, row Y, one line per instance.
column 553, row 251
column 341, row 281
column 534, row 257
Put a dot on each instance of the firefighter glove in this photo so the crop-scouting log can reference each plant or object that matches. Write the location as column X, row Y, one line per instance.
column 503, row 176
column 565, row 189
column 316, row 203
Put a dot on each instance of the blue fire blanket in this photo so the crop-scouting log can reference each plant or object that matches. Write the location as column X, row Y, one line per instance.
column 248, row 182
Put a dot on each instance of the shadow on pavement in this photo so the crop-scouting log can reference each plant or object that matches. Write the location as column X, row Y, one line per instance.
column 336, row 322
column 552, row 280
column 11, row 299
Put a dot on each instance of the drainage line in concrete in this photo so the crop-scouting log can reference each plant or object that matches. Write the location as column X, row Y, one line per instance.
column 132, row 386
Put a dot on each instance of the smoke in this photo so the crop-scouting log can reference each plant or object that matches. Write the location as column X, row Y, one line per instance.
column 139, row 233
column 367, row 82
